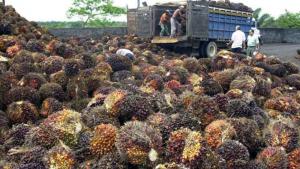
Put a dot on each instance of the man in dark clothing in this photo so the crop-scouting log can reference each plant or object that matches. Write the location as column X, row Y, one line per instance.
column 164, row 21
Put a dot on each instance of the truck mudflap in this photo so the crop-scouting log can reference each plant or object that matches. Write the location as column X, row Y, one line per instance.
column 168, row 40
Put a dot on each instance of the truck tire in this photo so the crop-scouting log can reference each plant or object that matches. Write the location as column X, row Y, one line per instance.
column 211, row 49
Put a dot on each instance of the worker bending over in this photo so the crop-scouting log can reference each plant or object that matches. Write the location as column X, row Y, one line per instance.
column 164, row 21
column 175, row 21
column 125, row 52
column 238, row 39
column 252, row 43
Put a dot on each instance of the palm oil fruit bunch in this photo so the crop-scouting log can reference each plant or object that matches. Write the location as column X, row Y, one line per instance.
column 38, row 136
column 218, row 132
column 283, row 135
column 66, row 125
column 60, row 157
column 50, row 106
column 103, row 140
column 113, row 102
column 205, row 109
column 274, row 157
column 140, row 143
column 188, row 147
column 72, row 103
column 293, row 159
column 235, row 154
column 22, row 112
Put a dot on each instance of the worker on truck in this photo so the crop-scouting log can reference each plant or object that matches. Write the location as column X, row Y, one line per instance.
column 238, row 39
column 183, row 22
column 175, row 21
column 252, row 43
column 163, row 23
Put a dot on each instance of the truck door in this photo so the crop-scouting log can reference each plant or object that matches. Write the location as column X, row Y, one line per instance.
column 144, row 21
column 132, row 21
column 197, row 26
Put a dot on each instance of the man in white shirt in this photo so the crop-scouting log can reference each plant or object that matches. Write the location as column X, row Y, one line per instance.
column 257, row 34
column 126, row 53
column 252, row 43
column 238, row 39
column 122, row 51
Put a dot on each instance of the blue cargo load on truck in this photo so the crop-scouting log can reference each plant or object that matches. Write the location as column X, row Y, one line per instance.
column 207, row 28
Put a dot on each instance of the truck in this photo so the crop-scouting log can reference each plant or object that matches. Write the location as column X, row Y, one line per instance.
column 208, row 28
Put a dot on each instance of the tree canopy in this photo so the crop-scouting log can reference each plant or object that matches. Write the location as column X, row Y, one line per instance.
column 289, row 20
column 90, row 10
column 286, row 20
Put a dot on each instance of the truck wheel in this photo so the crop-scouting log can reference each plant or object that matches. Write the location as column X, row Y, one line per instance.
column 211, row 49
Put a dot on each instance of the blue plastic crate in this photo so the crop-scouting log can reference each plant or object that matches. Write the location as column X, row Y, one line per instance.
column 210, row 33
column 215, row 34
column 240, row 20
column 216, row 25
column 243, row 28
column 222, row 18
column 227, row 19
column 232, row 27
column 210, row 17
column 227, row 26
column 220, row 34
column 227, row 34
column 222, row 26
column 210, row 26
column 216, row 18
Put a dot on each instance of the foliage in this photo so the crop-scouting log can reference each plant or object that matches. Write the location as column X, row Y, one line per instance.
column 263, row 19
column 90, row 10
column 78, row 24
column 105, row 23
column 286, row 20
column 289, row 20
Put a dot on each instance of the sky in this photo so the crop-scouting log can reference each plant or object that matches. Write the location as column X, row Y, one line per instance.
column 55, row 10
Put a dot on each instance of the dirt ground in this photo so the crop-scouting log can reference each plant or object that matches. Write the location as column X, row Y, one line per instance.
column 286, row 52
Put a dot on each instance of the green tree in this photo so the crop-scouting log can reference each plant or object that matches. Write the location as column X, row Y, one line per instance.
column 286, row 20
column 289, row 20
column 263, row 19
column 92, row 9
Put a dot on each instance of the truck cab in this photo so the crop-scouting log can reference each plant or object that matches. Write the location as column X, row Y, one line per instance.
column 207, row 28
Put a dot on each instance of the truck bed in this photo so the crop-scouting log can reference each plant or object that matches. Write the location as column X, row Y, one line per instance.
column 168, row 40
column 204, row 22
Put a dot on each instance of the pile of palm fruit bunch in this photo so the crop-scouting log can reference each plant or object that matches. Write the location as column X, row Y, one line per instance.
column 69, row 104
column 225, row 4
column 230, row 5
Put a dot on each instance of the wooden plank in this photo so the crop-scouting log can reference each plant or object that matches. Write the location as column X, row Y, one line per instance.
column 168, row 40
column 164, row 40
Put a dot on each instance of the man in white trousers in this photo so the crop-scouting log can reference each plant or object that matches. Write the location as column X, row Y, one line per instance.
column 175, row 24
